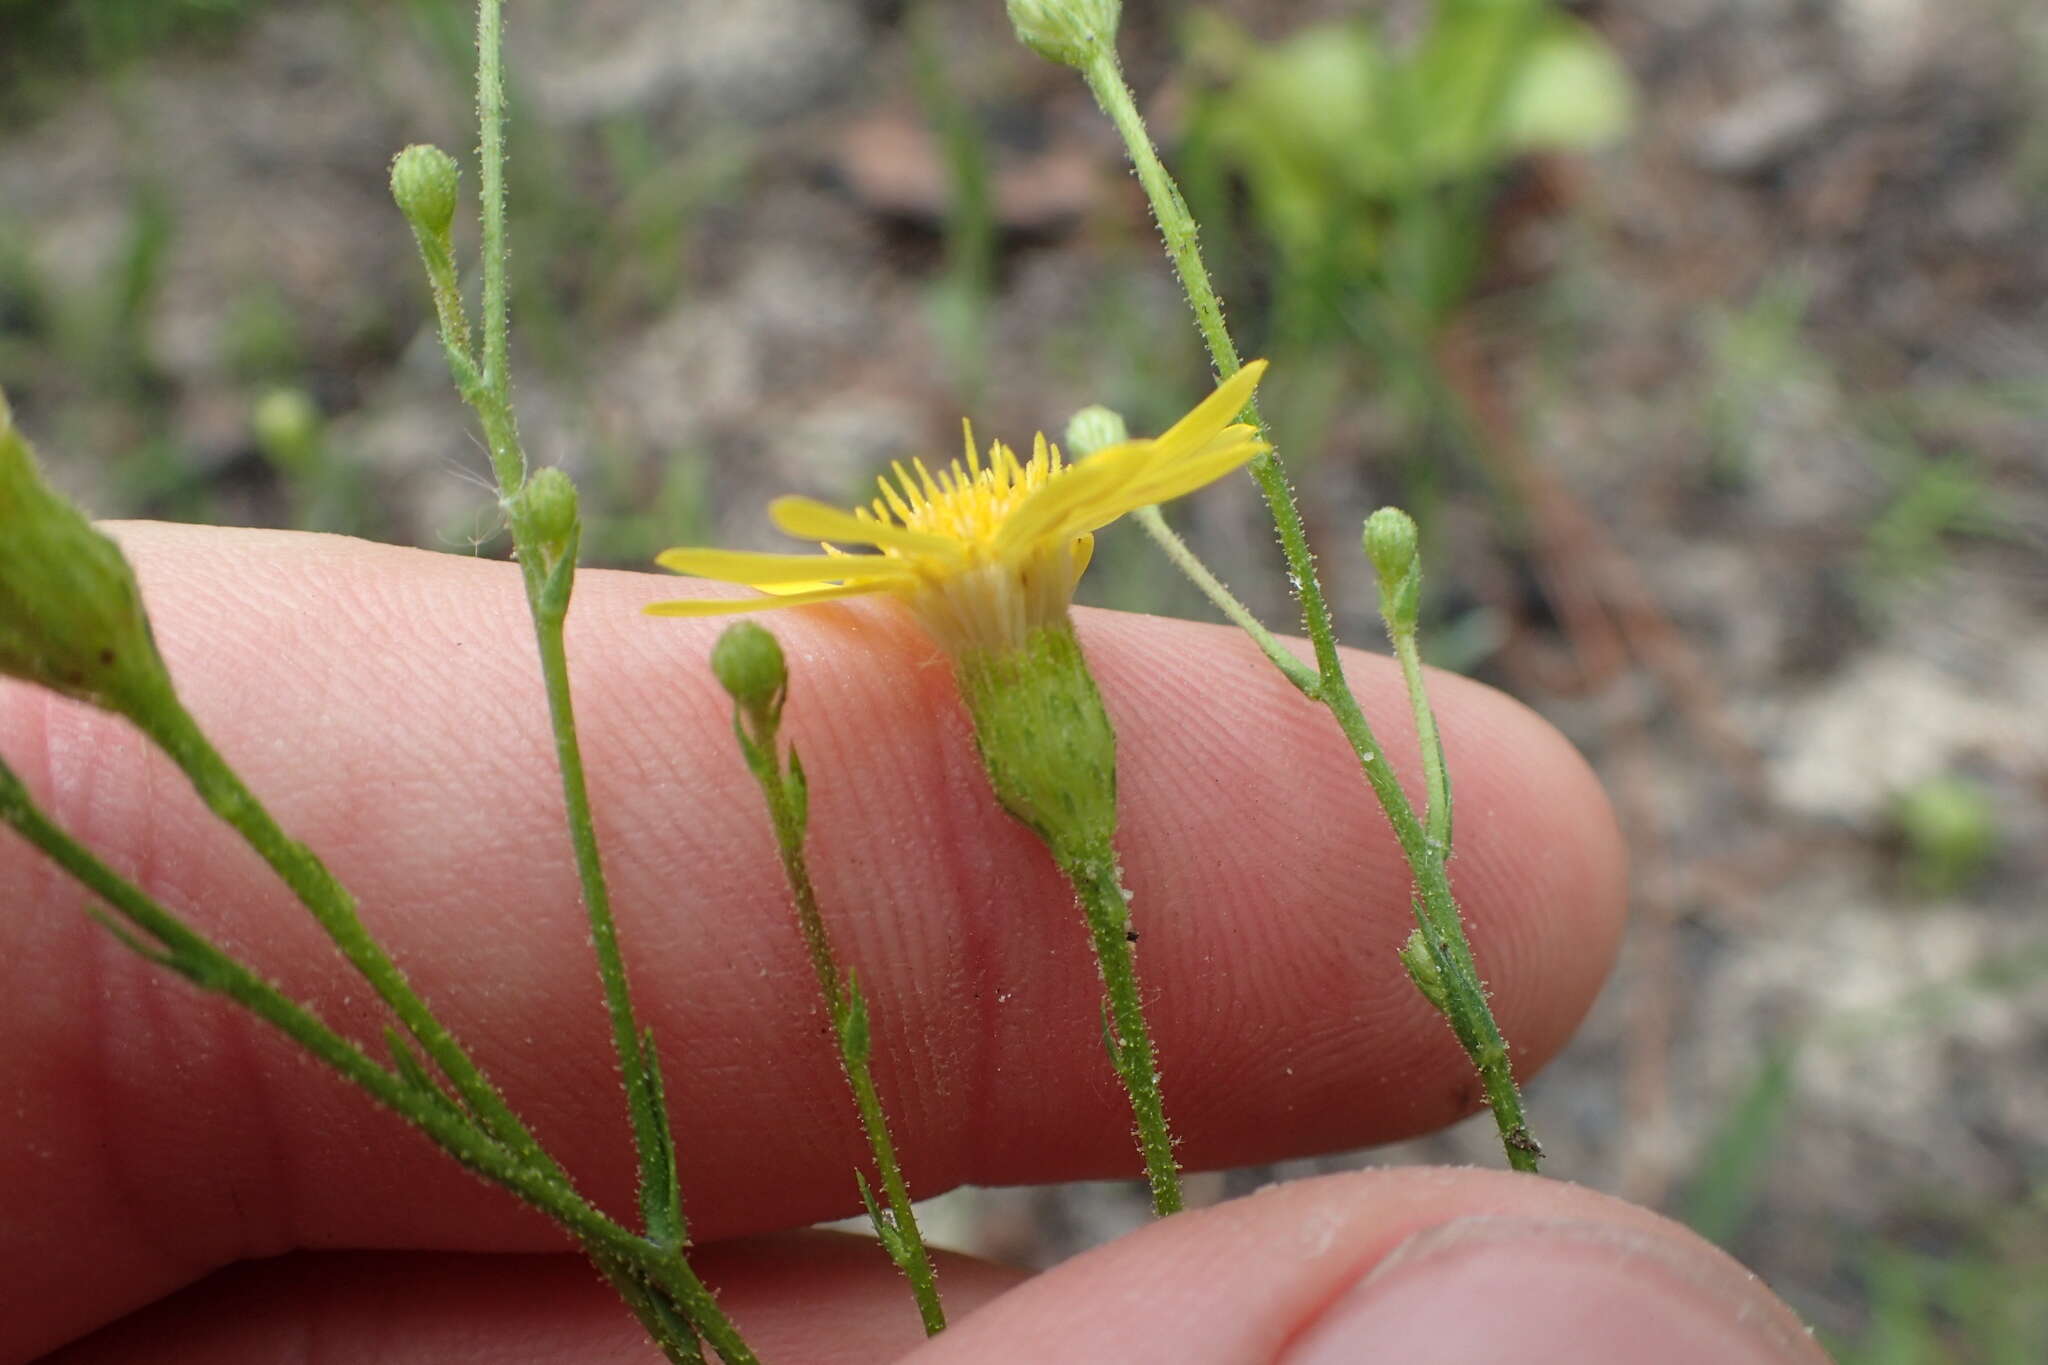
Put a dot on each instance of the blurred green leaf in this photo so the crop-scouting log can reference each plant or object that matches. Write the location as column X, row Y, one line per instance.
column 1732, row 1170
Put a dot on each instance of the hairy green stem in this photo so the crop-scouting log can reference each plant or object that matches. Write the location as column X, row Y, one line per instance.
column 659, row 1191
column 788, row 809
column 1435, row 776
column 1049, row 749
column 490, row 112
column 1093, row 872
column 452, row 1122
column 197, row 958
column 672, row 1303
column 173, row 729
column 1470, row 1017
column 549, row 576
column 1219, row 594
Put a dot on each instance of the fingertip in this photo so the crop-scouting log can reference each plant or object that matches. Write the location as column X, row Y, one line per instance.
column 1487, row 1288
column 1433, row 1264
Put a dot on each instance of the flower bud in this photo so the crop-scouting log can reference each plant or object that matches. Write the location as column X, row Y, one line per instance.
column 1071, row 32
column 748, row 663
column 545, row 517
column 1093, row 428
column 71, row 615
column 1390, row 543
column 423, row 181
column 286, row 424
column 1391, row 540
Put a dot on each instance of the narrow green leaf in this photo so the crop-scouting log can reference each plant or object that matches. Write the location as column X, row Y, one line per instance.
column 855, row 1042
column 1110, row 1044
column 799, row 793
column 1732, row 1170
column 134, row 943
column 885, row 1230
column 661, row 1195
column 417, row 1078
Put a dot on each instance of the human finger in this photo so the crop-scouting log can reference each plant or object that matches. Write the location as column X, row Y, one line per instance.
column 1455, row 1267
column 819, row 1298
column 385, row 703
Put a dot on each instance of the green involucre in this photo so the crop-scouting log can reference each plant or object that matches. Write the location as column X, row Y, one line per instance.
column 1045, row 739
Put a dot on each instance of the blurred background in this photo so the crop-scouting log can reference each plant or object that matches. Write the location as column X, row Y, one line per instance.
column 1708, row 339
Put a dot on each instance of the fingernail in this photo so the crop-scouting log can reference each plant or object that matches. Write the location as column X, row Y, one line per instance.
column 1491, row 1289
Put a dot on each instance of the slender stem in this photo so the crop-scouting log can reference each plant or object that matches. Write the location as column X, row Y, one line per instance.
column 174, row 730
column 665, row 1322
column 907, row 1244
column 620, row 1254
column 1177, row 226
column 525, row 1167
column 490, row 110
column 1437, row 912
column 671, row 1274
column 1198, row 573
column 788, row 808
column 438, row 257
column 199, row 959
column 548, row 588
column 1107, row 909
column 673, row 1304
column 1106, row 81
column 660, row 1198
column 1435, row 776
column 1470, row 1017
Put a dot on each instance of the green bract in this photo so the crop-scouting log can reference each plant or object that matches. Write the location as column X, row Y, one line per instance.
column 1045, row 739
column 544, row 516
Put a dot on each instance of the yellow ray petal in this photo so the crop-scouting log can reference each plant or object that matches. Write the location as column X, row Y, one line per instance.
column 1074, row 503
column 814, row 520
column 1170, row 480
column 1216, row 411
column 732, row 606
column 761, row 570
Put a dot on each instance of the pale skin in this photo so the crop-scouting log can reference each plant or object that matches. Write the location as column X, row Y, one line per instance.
column 155, row 1144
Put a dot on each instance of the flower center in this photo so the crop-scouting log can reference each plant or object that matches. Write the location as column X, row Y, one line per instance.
column 969, row 502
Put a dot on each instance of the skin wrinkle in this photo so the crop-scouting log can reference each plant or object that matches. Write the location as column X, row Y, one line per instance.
column 85, row 1057
column 265, row 1225
column 979, row 1130
column 955, row 827
column 81, row 784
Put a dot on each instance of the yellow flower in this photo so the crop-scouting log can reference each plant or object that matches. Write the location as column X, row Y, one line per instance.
column 985, row 552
